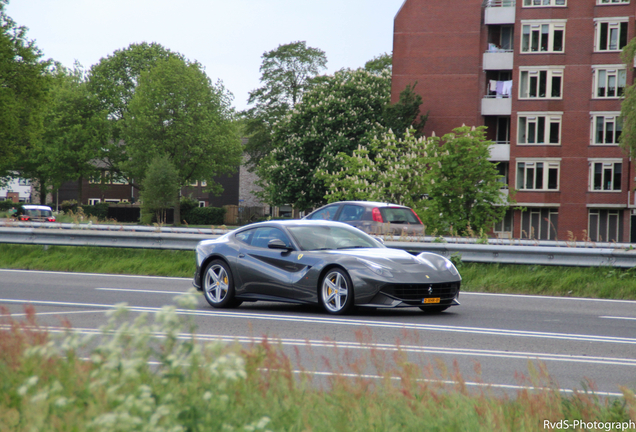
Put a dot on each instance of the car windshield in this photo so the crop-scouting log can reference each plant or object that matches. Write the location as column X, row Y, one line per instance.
column 312, row 237
column 398, row 215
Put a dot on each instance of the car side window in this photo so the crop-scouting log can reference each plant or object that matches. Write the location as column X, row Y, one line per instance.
column 245, row 236
column 327, row 213
column 262, row 236
column 351, row 213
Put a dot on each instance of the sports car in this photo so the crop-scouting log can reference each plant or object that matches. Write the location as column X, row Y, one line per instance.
column 320, row 262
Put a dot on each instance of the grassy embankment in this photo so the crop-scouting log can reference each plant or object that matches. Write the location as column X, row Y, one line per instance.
column 605, row 282
column 134, row 381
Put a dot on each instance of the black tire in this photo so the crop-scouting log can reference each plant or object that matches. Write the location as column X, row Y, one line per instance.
column 434, row 309
column 218, row 285
column 335, row 292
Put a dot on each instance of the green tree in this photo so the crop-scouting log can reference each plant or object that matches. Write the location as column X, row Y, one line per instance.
column 286, row 73
column 160, row 187
column 23, row 86
column 337, row 114
column 463, row 185
column 628, row 106
column 114, row 80
column 405, row 114
column 76, row 130
column 389, row 169
column 380, row 63
column 177, row 111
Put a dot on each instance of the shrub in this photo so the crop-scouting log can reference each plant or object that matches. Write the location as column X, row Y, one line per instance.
column 70, row 205
column 205, row 216
column 100, row 211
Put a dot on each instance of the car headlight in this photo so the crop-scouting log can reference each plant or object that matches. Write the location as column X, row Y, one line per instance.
column 377, row 268
column 451, row 267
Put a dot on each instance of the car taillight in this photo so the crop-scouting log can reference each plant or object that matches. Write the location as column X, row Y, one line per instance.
column 377, row 216
column 24, row 218
column 51, row 219
column 418, row 218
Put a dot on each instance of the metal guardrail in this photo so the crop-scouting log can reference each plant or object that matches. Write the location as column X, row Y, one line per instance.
column 562, row 254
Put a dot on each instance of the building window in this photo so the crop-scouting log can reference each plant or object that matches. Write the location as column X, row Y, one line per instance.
column 606, row 128
column 611, row 34
column 542, row 37
column 602, row 2
column 201, row 203
column 538, row 175
column 505, row 225
column 609, row 82
column 502, row 170
column 24, row 182
column 605, row 176
column 544, row 3
column 115, row 201
column 545, row 84
column 540, row 223
column 118, row 178
column 542, row 128
column 96, row 178
column 605, row 225
column 93, row 201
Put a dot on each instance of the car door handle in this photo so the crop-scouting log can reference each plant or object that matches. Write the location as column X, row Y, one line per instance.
column 241, row 255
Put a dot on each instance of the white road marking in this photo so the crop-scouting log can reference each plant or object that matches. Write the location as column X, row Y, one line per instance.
column 619, row 318
column 351, row 322
column 95, row 274
column 141, row 291
column 56, row 313
column 526, row 296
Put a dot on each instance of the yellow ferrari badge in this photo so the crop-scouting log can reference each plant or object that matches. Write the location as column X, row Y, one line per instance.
column 300, row 256
column 428, row 277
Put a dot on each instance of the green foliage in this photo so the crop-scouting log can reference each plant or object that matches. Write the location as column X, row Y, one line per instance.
column 387, row 170
column 99, row 211
column 205, row 216
column 379, row 64
column 403, row 115
column 69, row 206
column 286, row 73
column 628, row 105
column 335, row 116
column 463, row 188
column 161, row 187
column 24, row 82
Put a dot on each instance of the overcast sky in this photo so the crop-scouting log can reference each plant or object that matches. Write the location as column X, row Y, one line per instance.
column 227, row 36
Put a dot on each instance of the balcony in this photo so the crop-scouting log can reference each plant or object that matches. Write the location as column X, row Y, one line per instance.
column 496, row 106
column 499, row 11
column 498, row 59
column 500, row 151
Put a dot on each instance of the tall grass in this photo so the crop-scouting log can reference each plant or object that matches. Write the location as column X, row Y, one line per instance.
column 136, row 381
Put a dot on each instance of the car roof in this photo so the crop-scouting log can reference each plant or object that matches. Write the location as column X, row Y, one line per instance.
column 36, row 207
column 367, row 204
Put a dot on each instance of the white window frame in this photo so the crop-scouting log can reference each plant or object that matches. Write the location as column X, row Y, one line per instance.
column 112, row 200
column 526, row 86
column 530, row 171
column 611, row 121
column 93, row 201
column 606, row 164
column 97, row 178
column 529, row 122
column 602, row 76
column 538, row 27
column 606, row 234
column 201, row 203
column 612, row 2
column 612, row 24
column 544, row 3
column 117, row 179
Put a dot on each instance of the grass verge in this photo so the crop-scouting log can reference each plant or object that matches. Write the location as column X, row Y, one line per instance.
column 603, row 282
column 150, row 375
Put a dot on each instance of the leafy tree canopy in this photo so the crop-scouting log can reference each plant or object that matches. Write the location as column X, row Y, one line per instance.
column 380, row 63
column 177, row 111
column 286, row 73
column 161, row 186
column 24, row 82
column 628, row 106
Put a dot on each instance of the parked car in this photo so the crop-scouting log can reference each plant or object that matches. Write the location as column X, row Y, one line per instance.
column 36, row 213
column 320, row 262
column 372, row 217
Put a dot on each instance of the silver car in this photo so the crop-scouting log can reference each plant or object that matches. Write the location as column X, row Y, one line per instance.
column 372, row 217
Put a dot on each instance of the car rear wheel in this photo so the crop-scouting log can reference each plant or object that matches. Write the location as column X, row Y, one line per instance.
column 434, row 309
column 218, row 285
column 336, row 292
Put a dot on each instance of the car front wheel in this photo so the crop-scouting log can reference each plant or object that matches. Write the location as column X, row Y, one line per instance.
column 336, row 292
column 218, row 285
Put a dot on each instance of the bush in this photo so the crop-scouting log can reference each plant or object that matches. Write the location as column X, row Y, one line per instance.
column 8, row 204
column 205, row 216
column 100, row 211
column 187, row 205
column 70, row 205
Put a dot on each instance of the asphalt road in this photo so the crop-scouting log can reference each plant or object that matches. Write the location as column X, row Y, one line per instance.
column 491, row 338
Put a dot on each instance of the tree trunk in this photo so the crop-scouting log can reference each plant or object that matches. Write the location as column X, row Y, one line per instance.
column 177, row 210
column 80, row 181
column 42, row 192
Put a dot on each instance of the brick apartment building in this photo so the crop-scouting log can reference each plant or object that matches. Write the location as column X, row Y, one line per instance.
column 546, row 78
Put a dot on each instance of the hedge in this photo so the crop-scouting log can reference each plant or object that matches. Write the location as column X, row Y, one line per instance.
column 100, row 210
column 205, row 216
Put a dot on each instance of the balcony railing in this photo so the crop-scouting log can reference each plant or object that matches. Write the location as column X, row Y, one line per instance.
column 500, row 3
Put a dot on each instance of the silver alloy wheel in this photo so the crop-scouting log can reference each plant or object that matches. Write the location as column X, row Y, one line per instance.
column 216, row 284
column 335, row 291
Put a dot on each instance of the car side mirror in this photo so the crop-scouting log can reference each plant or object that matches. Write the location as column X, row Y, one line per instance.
column 278, row 244
column 379, row 240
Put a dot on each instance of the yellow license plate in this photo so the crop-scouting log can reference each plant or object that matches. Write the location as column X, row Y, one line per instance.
column 431, row 300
